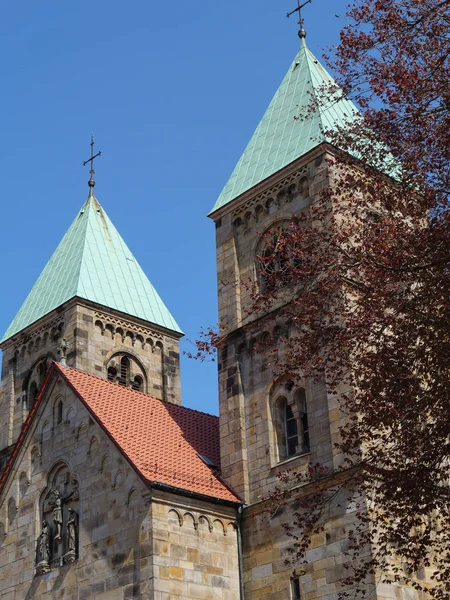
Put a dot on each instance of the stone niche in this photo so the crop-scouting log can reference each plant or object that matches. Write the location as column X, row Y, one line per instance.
column 57, row 541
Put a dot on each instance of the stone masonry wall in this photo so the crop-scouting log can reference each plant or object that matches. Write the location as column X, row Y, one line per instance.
column 133, row 542
column 246, row 378
column 266, row 550
column 94, row 338
column 195, row 550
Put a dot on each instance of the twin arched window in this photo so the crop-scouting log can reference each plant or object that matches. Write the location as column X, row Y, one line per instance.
column 290, row 424
column 123, row 376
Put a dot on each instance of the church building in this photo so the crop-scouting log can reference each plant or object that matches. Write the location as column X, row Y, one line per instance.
column 110, row 489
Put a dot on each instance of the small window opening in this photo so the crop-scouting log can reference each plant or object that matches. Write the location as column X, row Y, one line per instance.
column 33, row 394
column 291, row 431
column 137, row 383
column 59, row 412
column 208, row 461
column 295, row 587
column 124, row 371
column 112, row 374
column 305, row 432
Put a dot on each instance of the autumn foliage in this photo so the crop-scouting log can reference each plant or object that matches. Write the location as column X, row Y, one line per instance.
column 366, row 274
column 367, row 268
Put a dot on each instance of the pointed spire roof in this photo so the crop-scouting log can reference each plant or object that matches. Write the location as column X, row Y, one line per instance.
column 93, row 262
column 280, row 137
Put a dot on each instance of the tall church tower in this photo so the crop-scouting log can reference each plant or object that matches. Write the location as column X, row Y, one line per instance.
column 269, row 425
column 93, row 307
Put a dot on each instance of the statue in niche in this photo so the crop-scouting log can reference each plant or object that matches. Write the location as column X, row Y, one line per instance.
column 57, row 513
column 43, row 550
column 72, row 531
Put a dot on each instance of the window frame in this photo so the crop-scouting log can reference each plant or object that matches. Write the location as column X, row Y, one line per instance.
column 285, row 407
column 295, row 588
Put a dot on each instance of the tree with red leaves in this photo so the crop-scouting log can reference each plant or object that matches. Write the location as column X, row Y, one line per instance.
column 366, row 271
column 362, row 279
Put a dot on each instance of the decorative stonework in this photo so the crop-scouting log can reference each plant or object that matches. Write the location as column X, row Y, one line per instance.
column 285, row 190
column 196, row 520
column 53, row 328
column 126, row 326
column 58, row 542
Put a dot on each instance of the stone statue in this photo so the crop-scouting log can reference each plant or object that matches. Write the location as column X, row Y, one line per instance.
column 57, row 513
column 43, row 550
column 63, row 351
column 72, row 531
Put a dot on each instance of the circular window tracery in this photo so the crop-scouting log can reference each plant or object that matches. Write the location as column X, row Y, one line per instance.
column 274, row 256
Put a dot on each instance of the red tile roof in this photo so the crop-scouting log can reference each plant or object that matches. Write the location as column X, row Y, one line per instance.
column 162, row 440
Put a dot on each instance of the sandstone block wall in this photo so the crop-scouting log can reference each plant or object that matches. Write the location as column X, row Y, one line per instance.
column 246, row 378
column 133, row 542
column 95, row 337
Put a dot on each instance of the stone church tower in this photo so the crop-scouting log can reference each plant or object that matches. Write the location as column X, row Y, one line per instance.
column 93, row 303
column 112, row 490
column 269, row 425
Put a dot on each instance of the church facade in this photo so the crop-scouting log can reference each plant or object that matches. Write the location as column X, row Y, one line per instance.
column 110, row 488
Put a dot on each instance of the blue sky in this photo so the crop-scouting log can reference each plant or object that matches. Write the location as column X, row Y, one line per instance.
column 173, row 92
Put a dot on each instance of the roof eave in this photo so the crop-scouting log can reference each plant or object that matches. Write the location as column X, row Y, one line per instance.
column 90, row 304
column 269, row 181
column 183, row 492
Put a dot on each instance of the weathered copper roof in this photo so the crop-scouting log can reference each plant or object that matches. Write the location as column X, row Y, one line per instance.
column 93, row 262
column 281, row 136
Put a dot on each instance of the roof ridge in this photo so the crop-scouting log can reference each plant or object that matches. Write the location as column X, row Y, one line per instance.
column 171, row 404
column 88, row 205
column 310, row 56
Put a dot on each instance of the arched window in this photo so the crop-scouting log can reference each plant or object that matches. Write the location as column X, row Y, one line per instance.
column 112, row 374
column 290, row 423
column 300, row 403
column 59, row 412
column 124, row 370
column 137, row 383
column 32, row 394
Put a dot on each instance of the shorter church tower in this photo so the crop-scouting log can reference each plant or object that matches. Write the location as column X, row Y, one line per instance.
column 93, row 308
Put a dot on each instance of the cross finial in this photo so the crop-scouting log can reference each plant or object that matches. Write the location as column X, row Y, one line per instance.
column 91, row 181
column 301, row 29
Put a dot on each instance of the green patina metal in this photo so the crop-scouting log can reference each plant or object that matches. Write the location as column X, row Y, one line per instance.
column 281, row 137
column 93, row 262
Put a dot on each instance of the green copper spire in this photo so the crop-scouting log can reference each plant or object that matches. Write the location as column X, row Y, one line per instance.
column 93, row 262
column 281, row 137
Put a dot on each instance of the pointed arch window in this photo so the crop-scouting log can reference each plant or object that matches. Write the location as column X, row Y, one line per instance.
column 59, row 412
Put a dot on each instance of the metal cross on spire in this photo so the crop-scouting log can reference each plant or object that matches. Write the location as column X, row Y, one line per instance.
column 91, row 181
column 301, row 31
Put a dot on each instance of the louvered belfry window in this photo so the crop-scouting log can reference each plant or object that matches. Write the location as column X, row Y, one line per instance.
column 137, row 383
column 124, row 371
column 112, row 374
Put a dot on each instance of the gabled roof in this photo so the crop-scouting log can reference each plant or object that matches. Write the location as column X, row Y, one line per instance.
column 164, row 442
column 93, row 262
column 281, row 137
